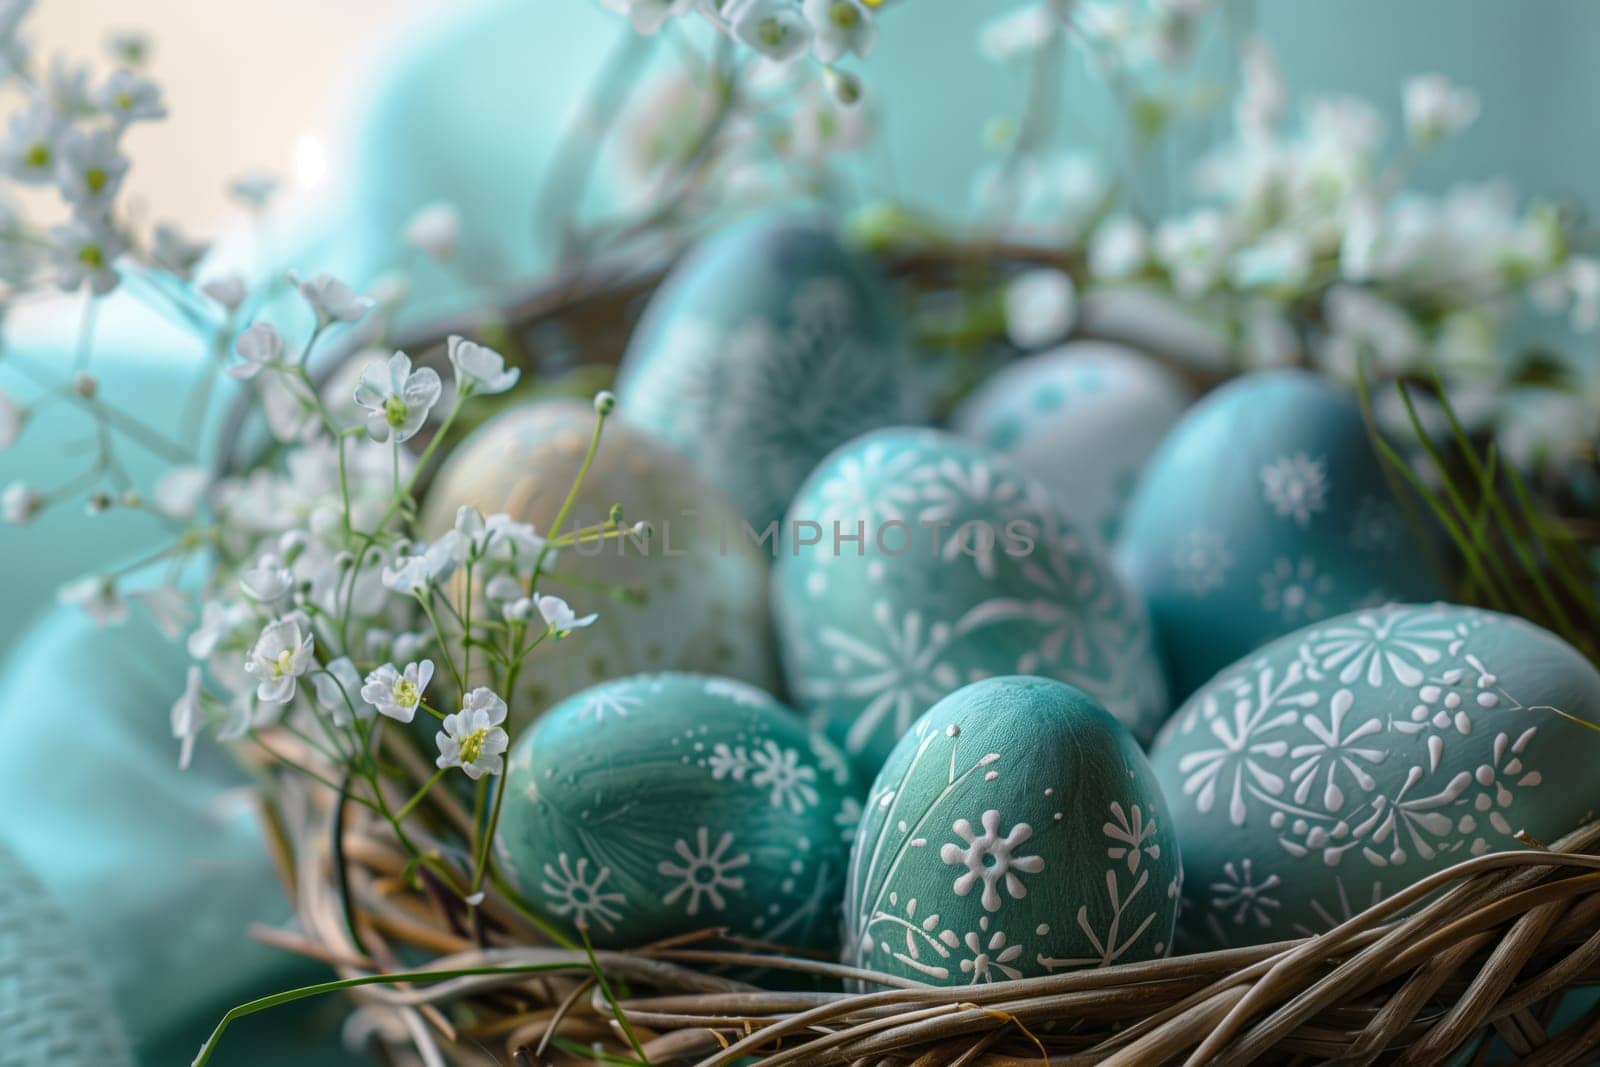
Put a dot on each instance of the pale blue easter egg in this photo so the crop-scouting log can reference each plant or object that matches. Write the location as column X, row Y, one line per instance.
column 1345, row 761
column 667, row 803
column 1083, row 419
column 1265, row 509
column 1016, row 830
column 920, row 562
column 771, row 344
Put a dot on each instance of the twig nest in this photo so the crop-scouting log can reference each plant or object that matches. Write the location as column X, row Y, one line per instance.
column 693, row 596
column 668, row 803
column 1017, row 830
column 768, row 346
column 1083, row 419
column 1345, row 761
column 1265, row 509
column 921, row 562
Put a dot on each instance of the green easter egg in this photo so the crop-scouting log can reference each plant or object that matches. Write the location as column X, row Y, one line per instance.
column 668, row 803
column 1016, row 830
column 1345, row 761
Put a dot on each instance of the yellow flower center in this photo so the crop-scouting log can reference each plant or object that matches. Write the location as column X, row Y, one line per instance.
column 92, row 256
column 283, row 664
column 771, row 32
column 844, row 16
column 395, row 411
column 472, row 745
column 124, row 101
column 95, row 179
column 39, row 155
column 405, row 693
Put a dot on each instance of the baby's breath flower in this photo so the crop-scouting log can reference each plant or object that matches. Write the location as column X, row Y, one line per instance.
column 229, row 290
column 221, row 622
column 175, row 253
column 435, row 231
column 775, row 28
column 67, row 87
column 85, row 251
column 13, row 416
column 412, row 574
column 128, row 97
column 473, row 738
column 179, row 491
column 559, row 616
column 96, row 594
column 480, row 370
column 188, row 718
column 89, row 169
column 839, row 27
column 29, row 150
column 283, row 652
column 1041, row 306
column 1120, row 248
column 517, row 542
column 268, row 582
column 261, row 346
column 1435, row 108
column 338, row 691
column 331, row 299
column 397, row 398
column 170, row 608
column 398, row 694
column 1194, row 249
column 128, row 46
column 20, row 503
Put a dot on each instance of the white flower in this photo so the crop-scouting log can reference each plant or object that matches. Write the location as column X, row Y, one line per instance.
column 1018, row 33
column 435, row 231
column 261, row 346
column 253, row 190
column 559, row 617
column 1435, row 108
column 395, row 693
column 67, row 88
column 480, row 370
column 20, row 503
column 647, row 16
column 128, row 46
column 268, row 581
column 29, row 151
column 838, row 27
column 13, row 416
column 89, row 169
column 511, row 540
column 169, row 607
column 413, row 574
column 1120, row 248
column 775, row 28
column 396, row 398
column 1193, row 249
column 219, row 623
column 188, row 718
column 472, row 738
column 98, row 596
column 180, row 490
column 128, row 97
column 229, row 290
column 338, row 690
column 282, row 653
column 1041, row 306
column 290, row 406
column 331, row 299
column 175, row 253
column 1264, row 98
column 84, row 251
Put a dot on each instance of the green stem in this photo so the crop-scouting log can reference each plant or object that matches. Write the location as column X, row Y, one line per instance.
column 416, row 797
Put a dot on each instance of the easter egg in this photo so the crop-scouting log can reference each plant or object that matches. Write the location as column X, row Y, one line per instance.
column 667, row 803
column 702, row 597
column 1349, row 759
column 1265, row 509
column 921, row 562
column 54, row 1007
column 1016, row 830
column 1082, row 419
column 769, row 345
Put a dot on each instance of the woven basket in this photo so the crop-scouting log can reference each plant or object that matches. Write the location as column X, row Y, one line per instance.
column 1484, row 951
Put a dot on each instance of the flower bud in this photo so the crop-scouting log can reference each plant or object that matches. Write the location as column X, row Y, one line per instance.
column 605, row 401
column 85, row 385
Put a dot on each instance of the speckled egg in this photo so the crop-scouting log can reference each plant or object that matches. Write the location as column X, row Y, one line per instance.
column 1347, row 760
column 667, row 803
column 704, row 595
column 1265, row 509
column 920, row 562
column 1016, row 830
column 768, row 346
column 1082, row 419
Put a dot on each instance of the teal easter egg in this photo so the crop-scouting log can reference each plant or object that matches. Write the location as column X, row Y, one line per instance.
column 1346, row 761
column 769, row 345
column 668, row 803
column 1083, row 419
column 1265, row 509
column 700, row 599
column 1016, row 830
column 921, row 562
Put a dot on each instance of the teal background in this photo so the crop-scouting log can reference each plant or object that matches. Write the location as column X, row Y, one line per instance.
column 450, row 119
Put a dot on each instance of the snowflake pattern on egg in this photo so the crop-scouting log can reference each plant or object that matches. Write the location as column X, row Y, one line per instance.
column 1362, row 752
